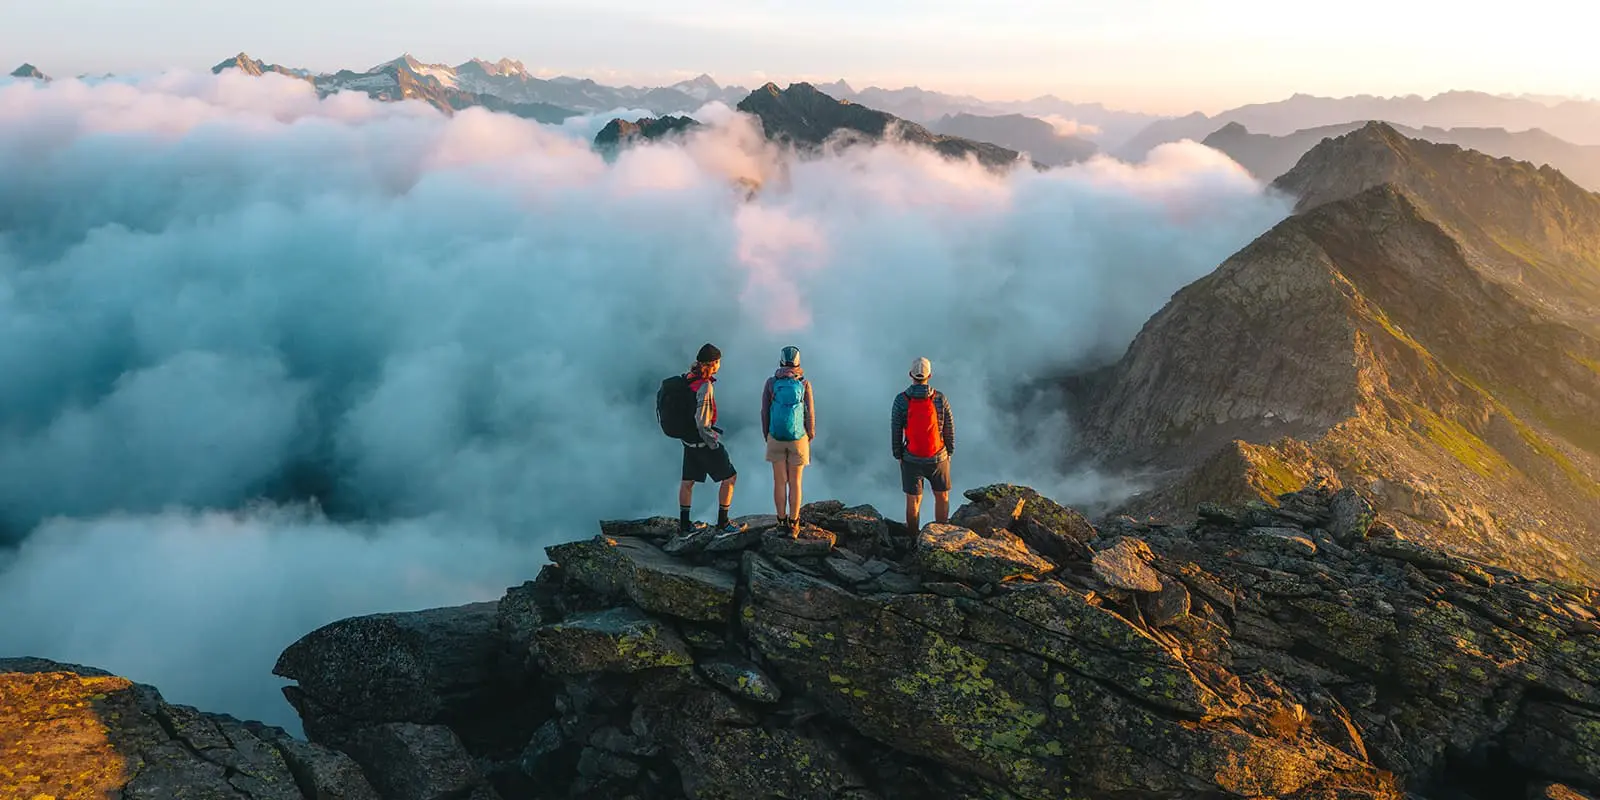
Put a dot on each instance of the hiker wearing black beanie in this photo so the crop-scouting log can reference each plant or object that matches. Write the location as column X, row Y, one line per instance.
column 706, row 456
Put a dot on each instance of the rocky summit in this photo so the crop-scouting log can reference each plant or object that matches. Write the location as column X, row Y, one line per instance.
column 620, row 132
column 804, row 117
column 1303, row 649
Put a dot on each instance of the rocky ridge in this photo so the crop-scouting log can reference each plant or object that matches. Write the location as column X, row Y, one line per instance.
column 1267, row 156
column 806, row 118
column 621, row 132
column 1302, row 650
column 1421, row 328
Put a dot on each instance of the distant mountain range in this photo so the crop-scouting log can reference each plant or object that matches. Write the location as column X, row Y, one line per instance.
column 1030, row 135
column 1576, row 121
column 1425, row 328
column 501, row 86
column 1268, row 156
column 507, row 85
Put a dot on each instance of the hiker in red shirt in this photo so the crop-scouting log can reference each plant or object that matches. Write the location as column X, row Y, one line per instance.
column 922, row 435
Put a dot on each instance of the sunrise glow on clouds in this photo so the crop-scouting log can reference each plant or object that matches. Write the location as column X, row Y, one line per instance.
column 1163, row 56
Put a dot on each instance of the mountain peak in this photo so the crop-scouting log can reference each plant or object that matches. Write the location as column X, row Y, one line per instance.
column 29, row 71
column 803, row 115
column 242, row 62
column 504, row 68
column 1343, row 166
column 406, row 61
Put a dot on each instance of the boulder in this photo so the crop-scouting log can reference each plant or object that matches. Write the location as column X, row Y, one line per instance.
column 1049, row 528
column 417, row 762
column 1351, row 516
column 1126, row 565
column 418, row 666
column 1282, row 541
column 809, row 541
column 962, row 554
column 742, row 678
column 615, row 640
column 652, row 579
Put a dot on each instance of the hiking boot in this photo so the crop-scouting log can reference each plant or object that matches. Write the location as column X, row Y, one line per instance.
column 722, row 534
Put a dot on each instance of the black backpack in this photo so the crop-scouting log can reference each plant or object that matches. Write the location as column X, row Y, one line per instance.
column 675, row 408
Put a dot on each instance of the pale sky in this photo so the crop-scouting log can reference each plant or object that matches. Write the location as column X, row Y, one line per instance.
column 1161, row 56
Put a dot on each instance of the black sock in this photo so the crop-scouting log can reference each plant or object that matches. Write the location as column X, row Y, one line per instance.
column 683, row 517
column 722, row 516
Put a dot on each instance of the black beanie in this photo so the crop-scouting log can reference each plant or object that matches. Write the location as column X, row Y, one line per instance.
column 708, row 354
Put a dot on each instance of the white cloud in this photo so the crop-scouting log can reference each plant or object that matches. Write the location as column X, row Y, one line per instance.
column 449, row 331
column 1071, row 127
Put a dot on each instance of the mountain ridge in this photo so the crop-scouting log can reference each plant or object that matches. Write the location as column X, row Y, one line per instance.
column 1300, row 651
column 802, row 116
column 1385, row 336
column 1032, row 136
column 1268, row 157
column 1576, row 121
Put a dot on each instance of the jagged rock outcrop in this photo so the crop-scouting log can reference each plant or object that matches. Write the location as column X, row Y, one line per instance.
column 620, row 132
column 75, row 732
column 256, row 68
column 802, row 116
column 1297, row 650
column 1423, row 328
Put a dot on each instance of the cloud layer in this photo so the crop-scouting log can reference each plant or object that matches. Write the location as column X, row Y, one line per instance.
column 223, row 298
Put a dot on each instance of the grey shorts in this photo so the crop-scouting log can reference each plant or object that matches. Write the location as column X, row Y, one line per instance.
column 912, row 473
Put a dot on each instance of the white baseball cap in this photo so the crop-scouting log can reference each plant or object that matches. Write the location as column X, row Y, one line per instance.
column 921, row 369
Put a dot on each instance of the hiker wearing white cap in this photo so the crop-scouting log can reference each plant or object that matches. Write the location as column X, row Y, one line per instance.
column 788, row 418
column 922, row 436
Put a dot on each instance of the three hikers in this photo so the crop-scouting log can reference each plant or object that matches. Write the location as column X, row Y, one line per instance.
column 922, row 435
column 789, row 421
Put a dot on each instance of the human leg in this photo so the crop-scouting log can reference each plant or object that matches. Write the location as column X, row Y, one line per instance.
column 794, row 472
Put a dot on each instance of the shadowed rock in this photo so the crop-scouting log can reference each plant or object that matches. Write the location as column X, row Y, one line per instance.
column 71, row 731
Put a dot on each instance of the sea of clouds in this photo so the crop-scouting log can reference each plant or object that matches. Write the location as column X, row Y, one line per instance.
column 272, row 360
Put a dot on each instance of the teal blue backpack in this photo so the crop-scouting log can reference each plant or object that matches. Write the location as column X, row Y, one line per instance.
column 788, row 421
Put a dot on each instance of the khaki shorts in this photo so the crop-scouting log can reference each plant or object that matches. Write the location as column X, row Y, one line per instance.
column 794, row 454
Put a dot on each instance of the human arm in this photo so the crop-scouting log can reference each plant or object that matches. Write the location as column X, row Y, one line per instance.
column 705, row 414
column 811, row 414
column 897, row 426
column 766, row 409
column 947, row 425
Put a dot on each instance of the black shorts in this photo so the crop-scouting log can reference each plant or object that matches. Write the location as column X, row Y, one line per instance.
column 702, row 462
column 912, row 473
